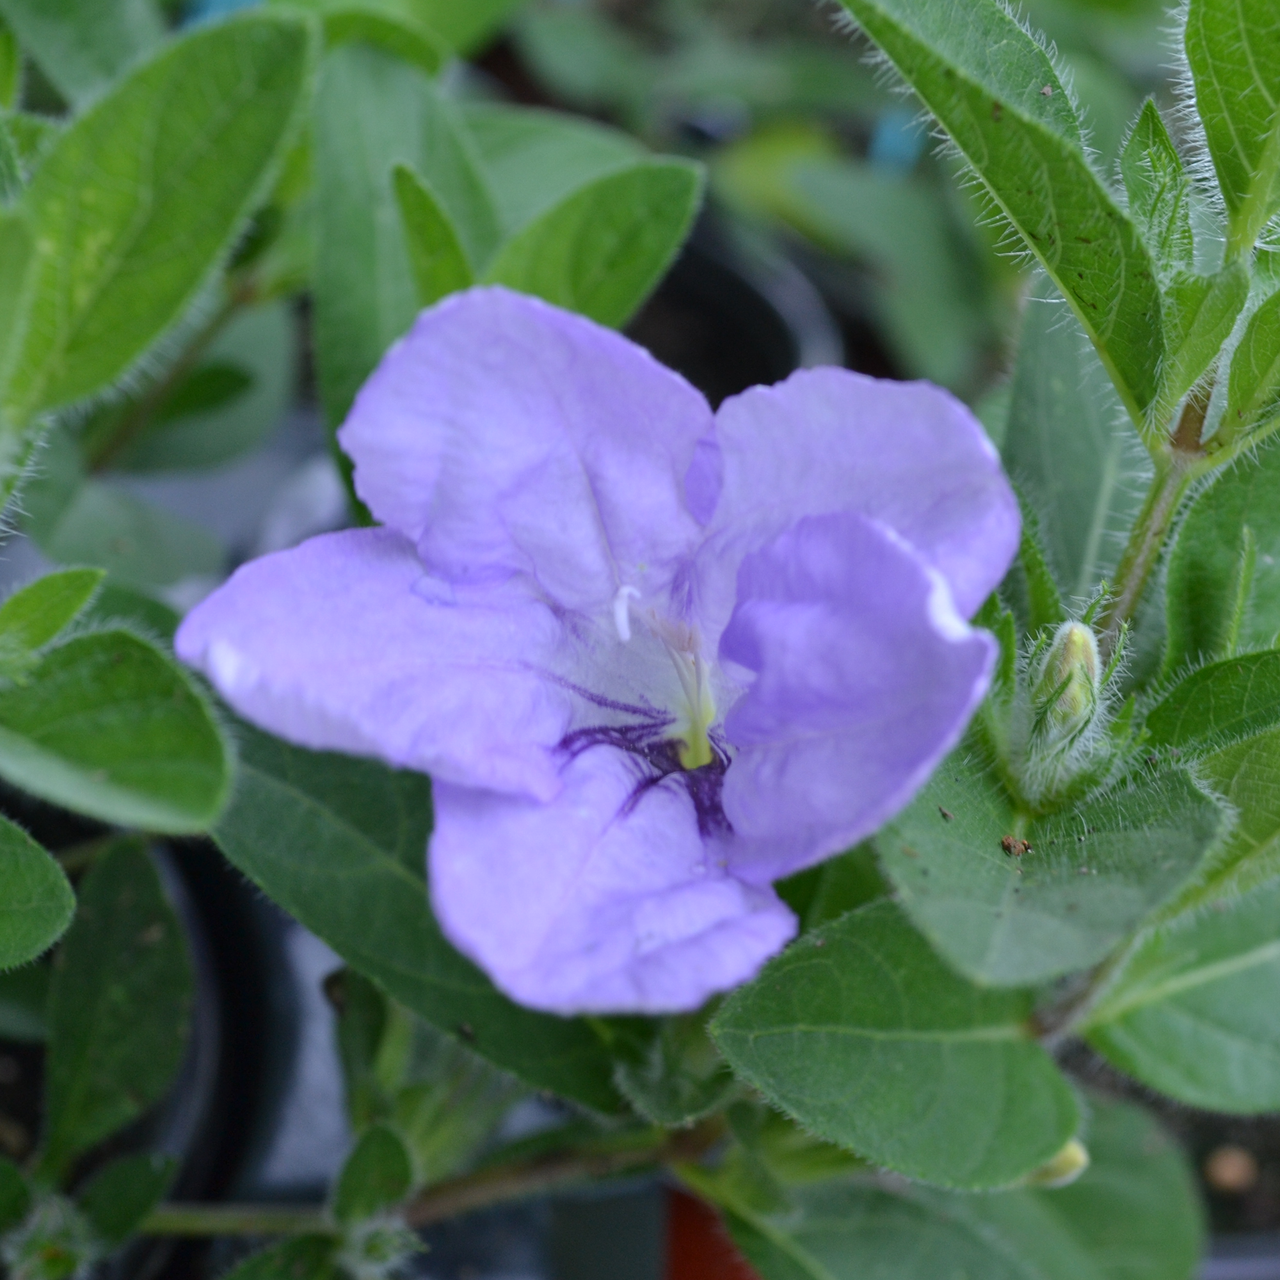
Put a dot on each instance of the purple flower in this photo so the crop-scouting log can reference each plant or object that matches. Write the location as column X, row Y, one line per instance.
column 654, row 658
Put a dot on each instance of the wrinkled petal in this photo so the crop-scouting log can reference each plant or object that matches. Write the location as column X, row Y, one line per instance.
column 602, row 901
column 909, row 455
column 504, row 435
column 865, row 675
column 340, row 645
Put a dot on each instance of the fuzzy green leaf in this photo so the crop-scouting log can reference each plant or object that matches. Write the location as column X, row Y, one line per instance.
column 1070, row 450
column 1219, row 704
column 123, row 1192
column 868, row 1040
column 143, row 196
column 376, row 1176
column 603, row 249
column 439, row 261
column 84, row 45
column 1192, row 1013
column 33, row 616
column 1199, row 314
column 36, row 902
column 996, row 92
column 106, row 725
column 465, row 27
column 396, row 26
column 1254, row 385
column 11, row 182
column 15, row 1195
column 1159, row 191
column 119, row 1008
column 340, row 844
column 1223, row 582
column 1134, row 1215
column 1091, row 872
column 533, row 160
column 680, row 1078
column 373, row 112
column 1233, row 48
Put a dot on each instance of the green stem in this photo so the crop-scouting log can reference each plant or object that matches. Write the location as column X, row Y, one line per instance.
column 1174, row 472
column 235, row 1220
column 494, row 1184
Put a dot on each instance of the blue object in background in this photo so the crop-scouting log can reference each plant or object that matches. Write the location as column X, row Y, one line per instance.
column 212, row 8
column 898, row 141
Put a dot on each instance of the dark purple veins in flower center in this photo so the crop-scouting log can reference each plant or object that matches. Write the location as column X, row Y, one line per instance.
column 650, row 744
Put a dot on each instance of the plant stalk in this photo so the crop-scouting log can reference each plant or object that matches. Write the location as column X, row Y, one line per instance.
column 479, row 1189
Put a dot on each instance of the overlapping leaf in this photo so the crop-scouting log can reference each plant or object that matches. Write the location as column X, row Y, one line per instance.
column 868, row 1040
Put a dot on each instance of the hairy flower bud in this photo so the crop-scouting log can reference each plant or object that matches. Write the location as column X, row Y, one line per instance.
column 1069, row 681
column 1063, row 1169
column 55, row 1243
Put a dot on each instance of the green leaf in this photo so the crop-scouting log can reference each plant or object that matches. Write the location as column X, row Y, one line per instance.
column 1219, row 704
column 229, row 403
column 868, row 1040
column 465, row 27
column 1223, row 583
column 1159, row 191
column 681, row 1077
column 340, row 844
column 107, row 726
column 83, row 45
column 142, row 614
column 1192, row 1013
column 119, row 1008
column 36, row 614
column 439, row 262
column 1253, row 389
column 996, row 92
column 447, row 1101
column 1030, row 585
column 1091, row 873
column 363, row 1015
column 1233, row 48
column 306, row 1258
column 374, row 112
column 11, row 183
column 376, row 1176
column 16, row 275
column 603, row 249
column 36, row 902
column 1199, row 314
column 394, row 25
column 122, row 1193
column 10, row 68
column 15, row 1195
column 24, row 996
column 1134, row 1215
column 1073, row 455
column 193, row 137
column 533, row 160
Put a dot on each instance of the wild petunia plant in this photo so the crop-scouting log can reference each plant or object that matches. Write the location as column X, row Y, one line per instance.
column 732, row 723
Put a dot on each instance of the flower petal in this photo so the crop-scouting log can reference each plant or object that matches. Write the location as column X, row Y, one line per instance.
column 338, row 645
column 866, row 676
column 505, row 435
column 909, row 455
column 597, row 902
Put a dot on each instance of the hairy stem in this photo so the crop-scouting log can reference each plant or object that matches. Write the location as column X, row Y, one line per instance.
column 1174, row 472
column 494, row 1184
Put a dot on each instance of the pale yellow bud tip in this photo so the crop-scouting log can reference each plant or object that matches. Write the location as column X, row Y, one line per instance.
column 1063, row 1169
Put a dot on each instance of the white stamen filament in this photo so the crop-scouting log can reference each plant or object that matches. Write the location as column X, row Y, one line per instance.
column 622, row 611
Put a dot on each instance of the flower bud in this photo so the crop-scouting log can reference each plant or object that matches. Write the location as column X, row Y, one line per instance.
column 1067, row 687
column 1063, row 1169
column 55, row 1243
